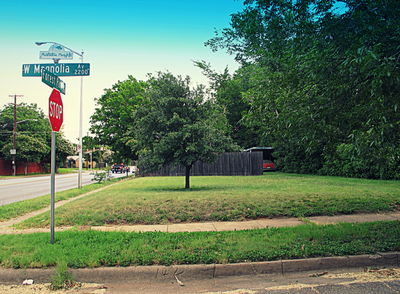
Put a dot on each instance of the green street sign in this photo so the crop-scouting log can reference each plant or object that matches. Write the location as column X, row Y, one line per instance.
column 53, row 81
column 59, row 69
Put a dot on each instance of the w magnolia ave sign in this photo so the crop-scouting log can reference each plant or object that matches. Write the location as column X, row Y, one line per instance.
column 56, row 111
column 59, row 69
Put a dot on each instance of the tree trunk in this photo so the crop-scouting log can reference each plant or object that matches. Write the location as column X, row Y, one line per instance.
column 187, row 176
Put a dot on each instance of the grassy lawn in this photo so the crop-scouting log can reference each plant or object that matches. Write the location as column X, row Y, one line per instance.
column 92, row 249
column 63, row 170
column 163, row 199
column 22, row 207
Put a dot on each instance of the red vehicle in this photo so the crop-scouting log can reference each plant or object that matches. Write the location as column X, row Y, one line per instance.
column 268, row 159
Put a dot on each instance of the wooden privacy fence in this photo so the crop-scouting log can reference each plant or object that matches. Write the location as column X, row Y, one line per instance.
column 226, row 164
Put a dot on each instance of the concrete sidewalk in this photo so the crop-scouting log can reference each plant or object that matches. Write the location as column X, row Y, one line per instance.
column 222, row 226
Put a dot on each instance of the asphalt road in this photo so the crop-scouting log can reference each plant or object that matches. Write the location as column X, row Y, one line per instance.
column 351, row 281
column 22, row 188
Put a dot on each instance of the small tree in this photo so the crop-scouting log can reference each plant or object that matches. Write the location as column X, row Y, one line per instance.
column 176, row 126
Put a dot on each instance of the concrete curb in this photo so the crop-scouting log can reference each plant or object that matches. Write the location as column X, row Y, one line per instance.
column 208, row 271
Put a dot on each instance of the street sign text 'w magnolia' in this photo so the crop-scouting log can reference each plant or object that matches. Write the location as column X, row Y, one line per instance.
column 59, row 69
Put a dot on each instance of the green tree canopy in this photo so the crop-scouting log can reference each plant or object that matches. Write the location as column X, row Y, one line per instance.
column 33, row 136
column 228, row 90
column 31, row 121
column 64, row 148
column 177, row 126
column 113, row 116
column 325, row 82
column 29, row 149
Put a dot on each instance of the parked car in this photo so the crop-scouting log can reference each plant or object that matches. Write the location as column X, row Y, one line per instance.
column 119, row 168
column 268, row 159
column 268, row 165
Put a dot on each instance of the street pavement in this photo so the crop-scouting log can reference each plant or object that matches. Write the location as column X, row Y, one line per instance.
column 343, row 281
column 359, row 280
column 22, row 188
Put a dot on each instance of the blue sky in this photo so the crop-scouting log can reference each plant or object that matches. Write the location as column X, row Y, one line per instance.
column 118, row 37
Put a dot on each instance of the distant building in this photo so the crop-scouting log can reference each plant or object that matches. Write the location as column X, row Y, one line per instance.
column 23, row 168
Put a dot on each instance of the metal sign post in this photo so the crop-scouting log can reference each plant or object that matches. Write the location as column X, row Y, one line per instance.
column 56, row 115
column 52, row 185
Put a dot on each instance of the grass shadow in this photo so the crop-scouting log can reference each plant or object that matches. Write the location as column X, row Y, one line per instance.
column 175, row 189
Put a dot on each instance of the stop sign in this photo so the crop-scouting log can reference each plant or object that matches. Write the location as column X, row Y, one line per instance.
column 55, row 110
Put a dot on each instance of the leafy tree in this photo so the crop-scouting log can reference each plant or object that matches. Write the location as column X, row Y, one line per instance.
column 227, row 90
column 177, row 126
column 113, row 117
column 29, row 149
column 64, row 148
column 99, row 152
column 91, row 145
column 106, row 156
column 33, row 137
column 31, row 121
column 325, row 82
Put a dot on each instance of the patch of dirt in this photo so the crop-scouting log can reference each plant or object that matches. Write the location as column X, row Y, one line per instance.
column 296, row 286
column 45, row 289
column 239, row 291
column 370, row 275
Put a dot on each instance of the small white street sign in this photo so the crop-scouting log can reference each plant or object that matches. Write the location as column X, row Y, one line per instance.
column 56, row 52
column 13, row 151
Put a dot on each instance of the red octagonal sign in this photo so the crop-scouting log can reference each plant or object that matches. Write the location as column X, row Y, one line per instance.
column 55, row 110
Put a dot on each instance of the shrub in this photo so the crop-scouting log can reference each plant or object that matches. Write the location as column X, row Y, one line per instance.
column 62, row 278
column 100, row 176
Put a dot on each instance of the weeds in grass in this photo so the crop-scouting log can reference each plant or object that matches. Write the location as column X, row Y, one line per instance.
column 62, row 278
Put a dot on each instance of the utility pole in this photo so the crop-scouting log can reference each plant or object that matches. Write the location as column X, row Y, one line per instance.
column 15, row 133
column 80, row 129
